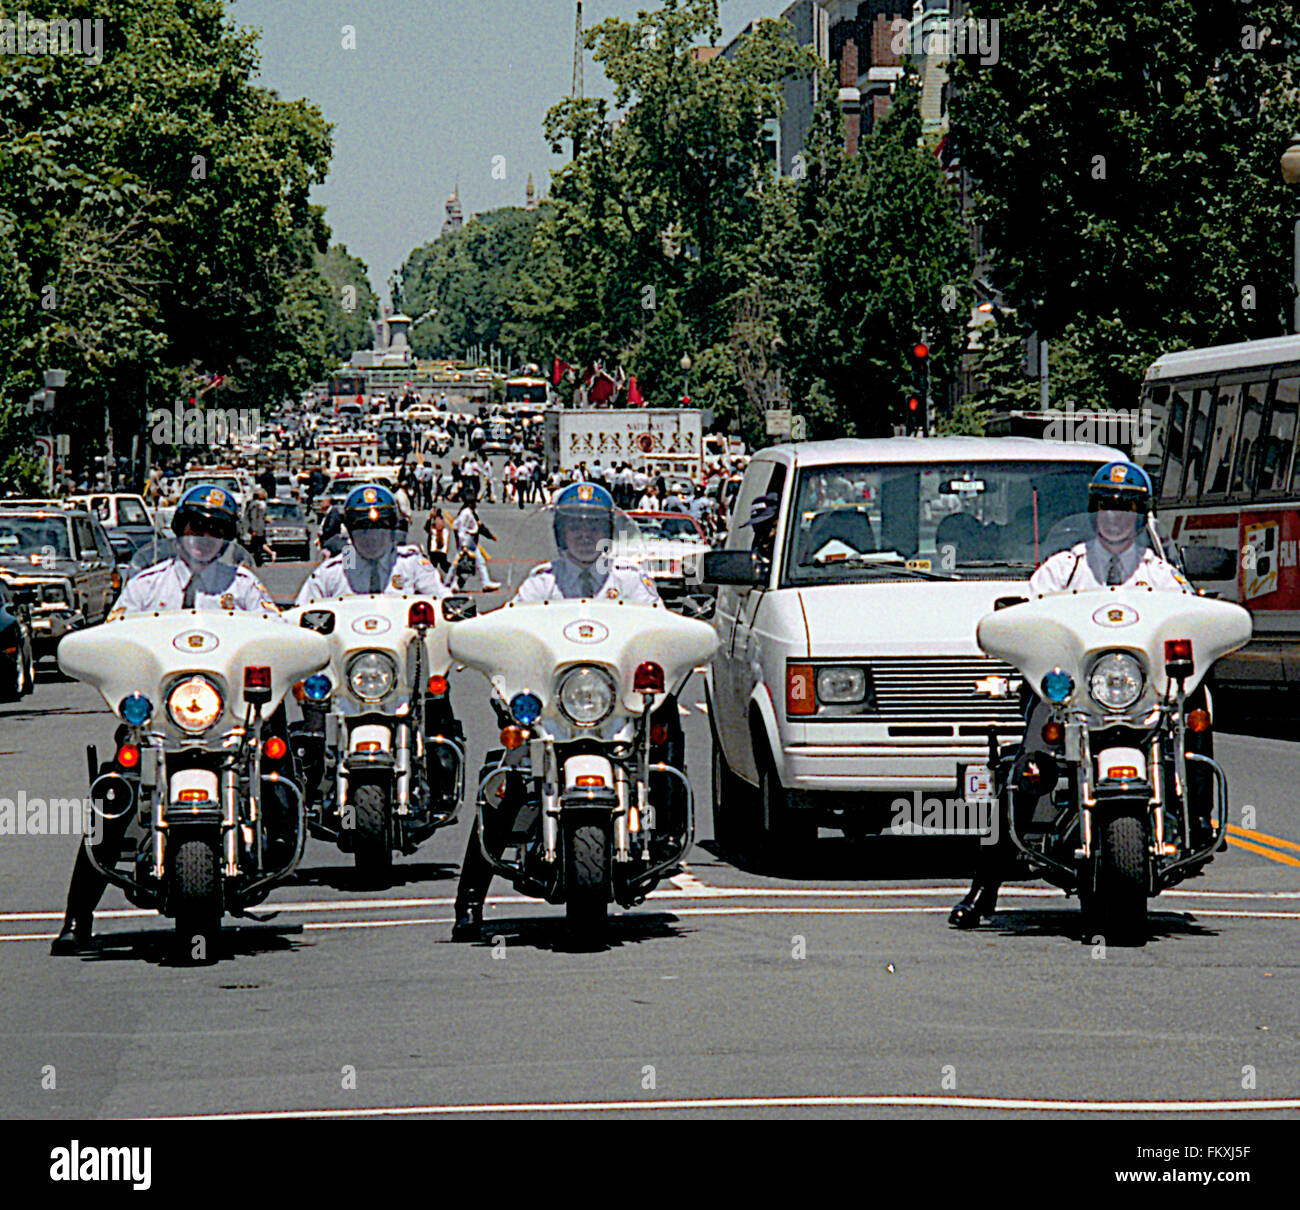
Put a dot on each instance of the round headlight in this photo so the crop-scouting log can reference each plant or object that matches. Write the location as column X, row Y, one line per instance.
column 1116, row 681
column 194, row 704
column 586, row 695
column 372, row 675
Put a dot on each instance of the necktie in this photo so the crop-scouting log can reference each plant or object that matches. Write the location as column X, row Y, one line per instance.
column 1114, row 573
column 375, row 585
column 191, row 589
column 585, row 585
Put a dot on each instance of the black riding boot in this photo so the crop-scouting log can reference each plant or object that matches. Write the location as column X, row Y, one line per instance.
column 471, row 891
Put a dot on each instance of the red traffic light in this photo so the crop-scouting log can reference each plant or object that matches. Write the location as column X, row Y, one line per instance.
column 920, row 350
column 913, row 403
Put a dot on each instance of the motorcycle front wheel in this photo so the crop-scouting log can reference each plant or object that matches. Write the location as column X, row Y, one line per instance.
column 370, row 843
column 196, row 896
column 587, row 879
column 1117, row 904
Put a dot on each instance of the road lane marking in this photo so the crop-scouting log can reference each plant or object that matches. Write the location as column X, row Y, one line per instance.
column 697, row 890
column 686, row 713
column 1280, row 858
column 677, row 913
column 686, row 881
column 701, row 707
column 877, row 1101
column 1276, row 841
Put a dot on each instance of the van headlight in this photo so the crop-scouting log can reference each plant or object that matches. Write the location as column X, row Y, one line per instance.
column 194, row 704
column 372, row 675
column 586, row 695
column 1116, row 681
column 840, row 686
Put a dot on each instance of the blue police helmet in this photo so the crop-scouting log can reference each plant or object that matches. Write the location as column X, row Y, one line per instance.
column 1121, row 486
column 583, row 501
column 210, row 508
column 370, row 506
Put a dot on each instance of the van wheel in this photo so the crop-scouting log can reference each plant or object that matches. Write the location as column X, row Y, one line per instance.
column 729, row 830
column 787, row 832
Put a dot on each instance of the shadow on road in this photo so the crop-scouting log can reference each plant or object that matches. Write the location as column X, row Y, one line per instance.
column 550, row 932
column 157, row 947
column 1069, row 924
column 870, row 858
column 348, row 878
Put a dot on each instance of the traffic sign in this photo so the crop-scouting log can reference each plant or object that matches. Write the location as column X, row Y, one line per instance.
column 778, row 422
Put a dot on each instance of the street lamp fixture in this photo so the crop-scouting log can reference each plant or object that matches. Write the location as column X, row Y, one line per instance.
column 686, row 379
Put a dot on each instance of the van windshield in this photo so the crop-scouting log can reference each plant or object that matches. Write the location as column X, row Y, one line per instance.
column 974, row 520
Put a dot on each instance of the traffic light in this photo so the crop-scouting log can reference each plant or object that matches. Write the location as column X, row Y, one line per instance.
column 918, row 401
column 913, row 404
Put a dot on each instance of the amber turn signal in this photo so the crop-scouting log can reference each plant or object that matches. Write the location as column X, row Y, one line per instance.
column 513, row 737
column 1198, row 720
column 275, row 748
column 1053, row 732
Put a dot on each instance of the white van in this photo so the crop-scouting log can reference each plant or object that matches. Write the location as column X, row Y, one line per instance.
column 847, row 674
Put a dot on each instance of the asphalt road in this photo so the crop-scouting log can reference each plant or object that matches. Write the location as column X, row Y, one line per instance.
column 839, row 992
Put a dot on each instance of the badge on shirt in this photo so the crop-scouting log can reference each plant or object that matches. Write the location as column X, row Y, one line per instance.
column 397, row 581
column 648, row 582
column 612, row 593
column 227, row 600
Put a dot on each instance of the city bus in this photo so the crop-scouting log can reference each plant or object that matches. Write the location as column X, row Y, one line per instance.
column 527, row 390
column 1222, row 455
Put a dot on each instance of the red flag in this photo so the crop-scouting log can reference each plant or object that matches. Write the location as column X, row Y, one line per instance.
column 558, row 370
column 602, row 390
column 634, row 398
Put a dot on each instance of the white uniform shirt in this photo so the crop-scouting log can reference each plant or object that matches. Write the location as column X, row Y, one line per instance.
column 466, row 527
column 562, row 580
column 404, row 570
column 217, row 586
column 1085, row 565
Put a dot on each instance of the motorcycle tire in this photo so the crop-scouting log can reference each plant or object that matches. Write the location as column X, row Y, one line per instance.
column 196, row 896
column 1117, row 904
column 371, row 847
column 587, row 866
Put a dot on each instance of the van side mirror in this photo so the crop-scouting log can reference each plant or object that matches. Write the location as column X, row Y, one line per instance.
column 1209, row 562
column 736, row 568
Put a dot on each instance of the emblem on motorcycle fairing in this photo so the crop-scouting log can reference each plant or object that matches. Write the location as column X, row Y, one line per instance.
column 397, row 581
column 371, row 624
column 1116, row 615
column 586, row 632
column 196, row 640
column 228, row 600
column 612, row 593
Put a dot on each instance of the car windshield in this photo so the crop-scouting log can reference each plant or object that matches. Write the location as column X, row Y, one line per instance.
column 981, row 520
column 229, row 482
column 283, row 510
column 131, row 512
column 667, row 528
column 33, row 536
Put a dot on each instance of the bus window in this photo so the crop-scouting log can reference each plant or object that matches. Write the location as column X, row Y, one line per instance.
column 1278, row 444
column 1198, row 437
column 1171, row 482
column 1252, row 419
column 1219, row 470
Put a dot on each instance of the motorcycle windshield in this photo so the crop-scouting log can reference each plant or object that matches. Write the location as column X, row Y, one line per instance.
column 585, row 539
column 1104, row 534
column 159, row 549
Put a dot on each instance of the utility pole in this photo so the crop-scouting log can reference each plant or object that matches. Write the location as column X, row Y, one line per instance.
column 578, row 89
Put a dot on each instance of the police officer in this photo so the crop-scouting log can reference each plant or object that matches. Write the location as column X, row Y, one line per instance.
column 373, row 561
column 583, row 525
column 202, row 573
column 1119, row 501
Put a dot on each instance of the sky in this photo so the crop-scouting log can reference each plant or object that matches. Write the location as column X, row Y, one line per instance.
column 432, row 93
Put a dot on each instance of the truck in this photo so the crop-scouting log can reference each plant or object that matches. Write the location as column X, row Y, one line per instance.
column 666, row 440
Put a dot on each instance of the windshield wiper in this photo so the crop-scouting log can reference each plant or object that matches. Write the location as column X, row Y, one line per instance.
column 888, row 561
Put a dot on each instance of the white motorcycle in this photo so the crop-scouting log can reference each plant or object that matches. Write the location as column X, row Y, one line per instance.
column 578, row 805
column 1127, row 800
column 384, row 754
column 218, row 816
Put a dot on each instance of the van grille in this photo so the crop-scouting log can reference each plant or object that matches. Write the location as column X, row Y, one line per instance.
column 941, row 689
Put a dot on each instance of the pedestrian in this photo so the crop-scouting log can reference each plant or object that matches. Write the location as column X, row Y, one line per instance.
column 255, row 518
column 438, row 540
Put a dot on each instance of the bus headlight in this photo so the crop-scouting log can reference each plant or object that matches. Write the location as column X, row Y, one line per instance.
column 586, row 695
column 1116, row 681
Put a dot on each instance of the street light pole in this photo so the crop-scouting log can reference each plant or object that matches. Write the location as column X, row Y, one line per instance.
column 686, row 382
column 1291, row 175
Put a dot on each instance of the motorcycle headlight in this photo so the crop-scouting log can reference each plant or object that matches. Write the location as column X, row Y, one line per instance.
column 194, row 704
column 372, row 675
column 586, row 695
column 1116, row 681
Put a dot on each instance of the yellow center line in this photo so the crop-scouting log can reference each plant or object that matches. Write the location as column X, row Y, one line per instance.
column 1263, row 852
column 1264, row 837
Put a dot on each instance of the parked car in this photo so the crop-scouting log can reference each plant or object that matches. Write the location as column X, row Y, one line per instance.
column 17, row 649
column 66, row 555
column 115, row 508
column 848, row 674
column 287, row 531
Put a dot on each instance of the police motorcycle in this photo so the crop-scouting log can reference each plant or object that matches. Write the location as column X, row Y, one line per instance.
column 1115, row 795
column 218, row 816
column 581, row 803
column 382, row 750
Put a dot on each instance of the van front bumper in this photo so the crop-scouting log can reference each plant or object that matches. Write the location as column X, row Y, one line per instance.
column 882, row 768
